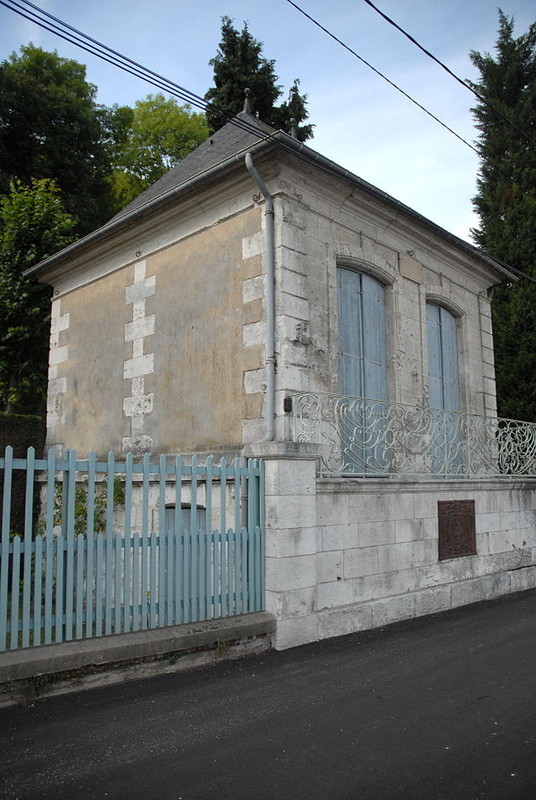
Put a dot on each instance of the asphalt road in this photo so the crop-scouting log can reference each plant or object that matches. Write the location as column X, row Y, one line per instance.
column 443, row 707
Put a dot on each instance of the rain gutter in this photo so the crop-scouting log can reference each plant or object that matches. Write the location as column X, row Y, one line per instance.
column 118, row 223
column 301, row 150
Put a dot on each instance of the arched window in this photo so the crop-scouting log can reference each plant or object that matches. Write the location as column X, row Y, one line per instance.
column 360, row 410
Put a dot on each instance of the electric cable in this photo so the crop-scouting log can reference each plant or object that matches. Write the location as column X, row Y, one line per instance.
column 113, row 57
column 447, row 69
column 96, row 48
column 381, row 75
column 92, row 46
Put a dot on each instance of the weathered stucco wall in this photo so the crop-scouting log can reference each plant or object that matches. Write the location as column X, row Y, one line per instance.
column 159, row 356
column 86, row 367
column 199, row 354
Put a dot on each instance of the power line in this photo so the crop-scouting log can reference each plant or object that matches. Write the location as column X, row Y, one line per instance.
column 384, row 77
column 451, row 73
column 86, row 43
column 94, row 47
column 98, row 49
column 73, row 36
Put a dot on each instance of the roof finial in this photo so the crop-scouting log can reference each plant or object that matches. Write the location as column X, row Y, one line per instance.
column 247, row 107
column 293, row 128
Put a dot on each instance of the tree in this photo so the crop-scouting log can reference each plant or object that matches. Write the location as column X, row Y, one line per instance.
column 53, row 137
column 506, row 205
column 116, row 124
column 33, row 225
column 51, row 127
column 158, row 134
column 239, row 65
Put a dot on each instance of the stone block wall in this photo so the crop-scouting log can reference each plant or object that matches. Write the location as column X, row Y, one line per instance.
column 349, row 555
column 321, row 228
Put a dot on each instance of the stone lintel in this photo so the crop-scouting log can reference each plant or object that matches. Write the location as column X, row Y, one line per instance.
column 283, row 450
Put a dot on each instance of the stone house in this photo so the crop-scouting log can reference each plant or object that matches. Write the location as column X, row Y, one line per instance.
column 261, row 300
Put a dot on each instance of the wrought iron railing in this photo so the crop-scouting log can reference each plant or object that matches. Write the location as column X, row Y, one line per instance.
column 375, row 438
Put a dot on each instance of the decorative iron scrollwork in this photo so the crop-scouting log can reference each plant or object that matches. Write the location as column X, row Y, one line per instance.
column 366, row 437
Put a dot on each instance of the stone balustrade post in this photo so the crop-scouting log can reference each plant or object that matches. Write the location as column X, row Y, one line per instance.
column 291, row 537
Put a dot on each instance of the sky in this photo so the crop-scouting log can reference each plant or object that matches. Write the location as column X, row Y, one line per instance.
column 361, row 122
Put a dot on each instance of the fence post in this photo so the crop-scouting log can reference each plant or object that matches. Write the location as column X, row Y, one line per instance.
column 49, row 546
column 90, row 541
column 69, row 489
column 291, row 533
column 6, row 518
column 28, row 525
column 109, row 585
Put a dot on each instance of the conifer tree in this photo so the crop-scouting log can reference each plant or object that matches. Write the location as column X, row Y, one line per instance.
column 506, row 206
column 239, row 65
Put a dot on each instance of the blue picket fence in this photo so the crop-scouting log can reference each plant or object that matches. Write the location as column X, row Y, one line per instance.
column 112, row 547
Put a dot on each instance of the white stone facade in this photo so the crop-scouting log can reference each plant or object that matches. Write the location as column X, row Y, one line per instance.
column 344, row 556
column 322, row 228
column 341, row 555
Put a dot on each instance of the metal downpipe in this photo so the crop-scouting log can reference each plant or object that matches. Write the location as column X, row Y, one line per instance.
column 270, row 297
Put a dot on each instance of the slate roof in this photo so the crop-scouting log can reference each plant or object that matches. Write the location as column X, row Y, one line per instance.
column 242, row 133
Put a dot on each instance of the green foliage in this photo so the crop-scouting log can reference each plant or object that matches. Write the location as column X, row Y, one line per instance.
column 33, row 225
column 159, row 133
column 80, row 508
column 21, row 431
column 116, row 123
column 100, row 504
column 51, row 127
column 506, row 205
column 239, row 65
column 294, row 108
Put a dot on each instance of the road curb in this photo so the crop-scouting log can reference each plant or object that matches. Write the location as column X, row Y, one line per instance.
column 65, row 666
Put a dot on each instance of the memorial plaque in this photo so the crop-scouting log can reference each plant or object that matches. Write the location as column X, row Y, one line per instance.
column 456, row 523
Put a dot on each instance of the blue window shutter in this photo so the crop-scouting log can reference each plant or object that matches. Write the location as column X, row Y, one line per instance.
column 451, row 376
column 362, row 335
column 435, row 368
column 374, row 339
column 350, row 332
column 443, row 369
